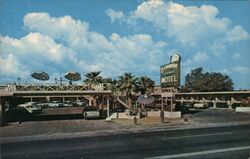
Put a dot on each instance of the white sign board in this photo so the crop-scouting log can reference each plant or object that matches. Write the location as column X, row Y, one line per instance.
column 167, row 94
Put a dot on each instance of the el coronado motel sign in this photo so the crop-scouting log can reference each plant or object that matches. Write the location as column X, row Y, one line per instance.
column 170, row 73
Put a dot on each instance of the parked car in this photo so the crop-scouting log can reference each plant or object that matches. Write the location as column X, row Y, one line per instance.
column 30, row 107
column 55, row 104
column 67, row 104
column 182, row 108
column 43, row 105
column 200, row 105
column 188, row 105
column 90, row 112
column 78, row 103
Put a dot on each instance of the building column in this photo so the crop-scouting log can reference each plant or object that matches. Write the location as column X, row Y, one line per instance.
column 47, row 99
column 214, row 103
column 230, row 103
column 171, row 107
column 181, row 101
column 108, row 115
column 90, row 100
column 162, row 105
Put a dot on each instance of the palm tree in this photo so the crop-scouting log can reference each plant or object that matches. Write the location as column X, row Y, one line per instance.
column 112, row 84
column 144, row 84
column 127, row 85
column 93, row 78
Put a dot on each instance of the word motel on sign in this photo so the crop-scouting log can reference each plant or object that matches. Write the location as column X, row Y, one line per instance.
column 168, row 79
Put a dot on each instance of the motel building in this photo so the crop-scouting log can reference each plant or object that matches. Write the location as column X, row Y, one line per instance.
column 111, row 105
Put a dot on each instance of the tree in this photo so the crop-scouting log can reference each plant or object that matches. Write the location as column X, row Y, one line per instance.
column 93, row 78
column 198, row 81
column 144, row 84
column 127, row 85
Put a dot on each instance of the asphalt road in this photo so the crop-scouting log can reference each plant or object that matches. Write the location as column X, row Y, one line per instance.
column 220, row 143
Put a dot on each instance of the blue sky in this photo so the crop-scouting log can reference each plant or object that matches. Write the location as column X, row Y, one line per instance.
column 123, row 36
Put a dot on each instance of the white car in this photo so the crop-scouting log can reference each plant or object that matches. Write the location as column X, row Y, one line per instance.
column 55, row 104
column 67, row 104
column 200, row 105
column 31, row 107
column 79, row 103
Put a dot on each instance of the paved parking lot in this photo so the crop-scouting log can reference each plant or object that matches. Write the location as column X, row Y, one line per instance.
column 218, row 115
column 77, row 125
column 56, row 127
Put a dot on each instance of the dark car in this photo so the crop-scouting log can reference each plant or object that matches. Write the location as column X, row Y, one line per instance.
column 182, row 108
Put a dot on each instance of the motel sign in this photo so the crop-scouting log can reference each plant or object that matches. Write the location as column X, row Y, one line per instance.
column 170, row 73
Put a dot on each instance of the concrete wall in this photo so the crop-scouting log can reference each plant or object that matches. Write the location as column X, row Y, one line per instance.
column 242, row 109
column 167, row 114
column 121, row 116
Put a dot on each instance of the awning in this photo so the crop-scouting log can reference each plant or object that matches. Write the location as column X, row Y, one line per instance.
column 145, row 100
column 73, row 76
column 40, row 76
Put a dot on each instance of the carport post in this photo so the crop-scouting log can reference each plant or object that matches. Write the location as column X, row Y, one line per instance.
column 171, row 104
column 47, row 99
column 108, row 106
column 162, row 107
column 214, row 103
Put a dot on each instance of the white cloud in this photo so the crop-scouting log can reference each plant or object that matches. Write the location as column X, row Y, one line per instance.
column 34, row 52
column 37, row 46
column 65, row 29
column 114, row 15
column 217, row 48
column 237, row 34
column 60, row 44
column 200, row 57
column 189, row 25
column 197, row 59
column 237, row 69
column 242, row 70
column 236, row 56
column 10, row 67
column 225, row 71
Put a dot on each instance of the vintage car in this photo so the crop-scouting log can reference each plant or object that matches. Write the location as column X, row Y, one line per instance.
column 54, row 104
column 30, row 107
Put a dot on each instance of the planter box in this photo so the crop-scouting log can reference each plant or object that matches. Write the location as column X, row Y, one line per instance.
column 176, row 114
column 167, row 114
column 243, row 109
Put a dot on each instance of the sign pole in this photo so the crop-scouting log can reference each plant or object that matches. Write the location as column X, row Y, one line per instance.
column 171, row 103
